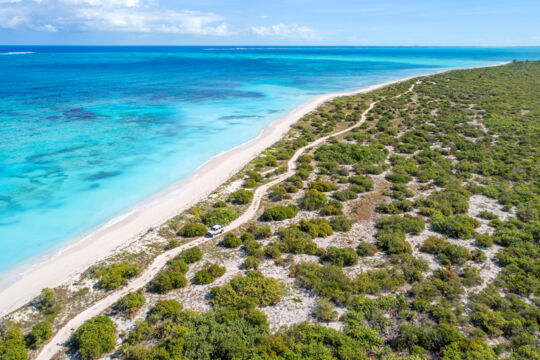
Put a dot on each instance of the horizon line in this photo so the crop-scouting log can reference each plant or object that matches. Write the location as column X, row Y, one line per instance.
column 284, row 46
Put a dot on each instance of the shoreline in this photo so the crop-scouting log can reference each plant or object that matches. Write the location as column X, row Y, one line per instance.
column 69, row 262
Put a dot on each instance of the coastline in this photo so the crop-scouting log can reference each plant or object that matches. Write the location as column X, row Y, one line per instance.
column 157, row 209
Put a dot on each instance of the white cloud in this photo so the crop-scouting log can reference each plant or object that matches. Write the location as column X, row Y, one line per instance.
column 112, row 3
column 138, row 16
column 150, row 21
column 284, row 30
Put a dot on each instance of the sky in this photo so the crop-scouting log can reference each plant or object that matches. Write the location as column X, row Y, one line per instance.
column 272, row 22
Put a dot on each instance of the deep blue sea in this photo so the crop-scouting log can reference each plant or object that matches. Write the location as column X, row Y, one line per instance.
column 88, row 132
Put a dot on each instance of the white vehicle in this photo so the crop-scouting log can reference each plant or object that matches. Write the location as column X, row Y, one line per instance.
column 216, row 230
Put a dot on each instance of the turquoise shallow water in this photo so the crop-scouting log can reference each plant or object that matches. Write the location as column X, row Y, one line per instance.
column 88, row 132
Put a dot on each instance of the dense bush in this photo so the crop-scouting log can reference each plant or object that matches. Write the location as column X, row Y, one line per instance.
column 332, row 208
column 316, row 227
column 241, row 196
column 190, row 255
column 177, row 263
column 446, row 252
column 350, row 154
column 345, row 195
column 340, row 256
column 173, row 277
column 272, row 251
column 40, row 332
column 398, row 178
column 322, row 186
column 130, row 303
column 220, row 216
column 487, row 215
column 166, row 309
column 209, row 273
column 366, row 249
column 112, row 276
column 251, row 263
column 324, row 311
column 362, row 183
column 244, row 291
column 193, row 230
column 327, row 281
column 12, row 343
column 312, row 200
column 253, row 248
column 448, row 201
column 230, row 240
column 167, row 280
column 340, row 223
column 392, row 232
column 458, row 226
column 260, row 232
column 406, row 224
column 94, row 338
column 295, row 241
column 395, row 207
column 47, row 304
column 279, row 213
column 484, row 240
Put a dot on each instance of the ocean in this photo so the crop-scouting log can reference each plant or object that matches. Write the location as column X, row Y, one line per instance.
column 88, row 132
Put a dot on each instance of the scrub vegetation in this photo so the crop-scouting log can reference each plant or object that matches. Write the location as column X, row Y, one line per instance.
column 412, row 236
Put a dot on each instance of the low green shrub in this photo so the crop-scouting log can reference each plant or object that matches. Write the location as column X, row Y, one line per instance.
column 279, row 213
column 327, row 281
column 407, row 224
column 458, row 226
column 190, row 255
column 324, row 311
column 487, row 215
column 12, row 342
column 248, row 290
column 220, row 216
column 40, row 333
column 330, row 209
column 340, row 223
column 165, row 309
column 316, row 227
column 398, row 178
column 484, row 240
column 167, row 280
column 340, row 256
column 94, row 338
column 193, row 230
column 112, row 276
column 295, row 241
column 130, row 303
column 260, row 232
column 345, row 195
column 241, row 197
column 362, row 183
column 322, row 186
column 312, row 200
column 446, row 252
column 230, row 240
column 366, row 249
column 251, row 263
column 203, row 277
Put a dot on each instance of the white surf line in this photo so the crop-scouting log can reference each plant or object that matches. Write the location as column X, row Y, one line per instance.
column 60, row 339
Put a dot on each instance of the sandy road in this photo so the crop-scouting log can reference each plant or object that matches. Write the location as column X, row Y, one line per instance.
column 60, row 339
column 62, row 336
